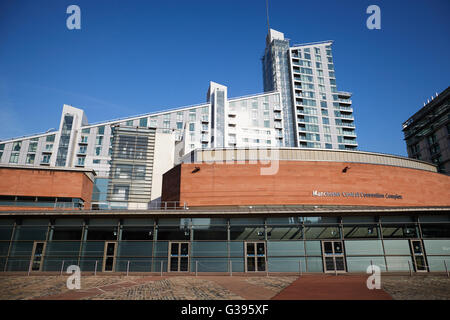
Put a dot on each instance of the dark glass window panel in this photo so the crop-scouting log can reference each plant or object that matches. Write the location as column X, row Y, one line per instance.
column 109, row 264
column 102, row 233
column 417, row 247
column 340, row 266
column 261, row 263
column 338, row 248
column 184, row 249
column 328, row 247
column 284, row 233
column 325, row 232
column 174, row 264
column 64, row 233
column 174, row 249
column 210, row 233
column 399, row 231
column 250, row 264
column 355, row 232
column 420, row 263
column 5, row 233
column 30, row 233
column 137, row 233
column 246, row 233
column 250, row 249
column 110, row 248
column 260, row 248
column 173, row 233
column 184, row 263
column 436, row 230
column 329, row 263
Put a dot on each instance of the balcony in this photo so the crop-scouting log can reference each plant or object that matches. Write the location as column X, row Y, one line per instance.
column 278, row 125
column 277, row 108
column 346, row 116
column 344, row 108
column 349, row 125
column 346, row 101
column 348, row 133
column 350, row 141
column 205, row 138
column 278, row 117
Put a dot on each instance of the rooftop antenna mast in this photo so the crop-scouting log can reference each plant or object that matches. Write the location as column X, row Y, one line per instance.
column 267, row 13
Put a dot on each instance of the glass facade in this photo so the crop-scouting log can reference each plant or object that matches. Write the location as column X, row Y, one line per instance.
column 274, row 244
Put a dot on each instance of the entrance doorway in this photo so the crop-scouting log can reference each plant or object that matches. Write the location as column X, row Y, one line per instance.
column 333, row 256
column 179, row 257
column 109, row 258
column 37, row 256
column 255, row 256
column 420, row 262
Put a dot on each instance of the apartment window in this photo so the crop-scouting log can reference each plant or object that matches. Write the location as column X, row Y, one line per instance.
column 14, row 157
column 318, row 65
column 32, row 147
column 166, row 124
column 49, row 147
column 101, row 130
column 129, row 123
column 192, row 146
column 96, row 161
column 153, row 122
column 30, row 158
column 98, row 150
column 324, row 112
column 143, row 122
column 87, row 130
column 46, row 158
column 179, row 125
column 191, row 126
column 17, row 146
column 432, row 139
column 80, row 161
column 326, row 129
column 317, row 50
column 50, row 138
column 328, row 146
column 327, row 138
column 204, row 145
column 192, row 116
column 325, row 121
column 179, row 116
column 84, row 139
column 266, row 124
column 331, row 74
column 330, row 66
column 320, row 73
column 307, row 56
column 2, row 147
column 99, row 140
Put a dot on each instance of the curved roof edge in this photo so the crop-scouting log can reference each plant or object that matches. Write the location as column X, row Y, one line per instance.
column 304, row 154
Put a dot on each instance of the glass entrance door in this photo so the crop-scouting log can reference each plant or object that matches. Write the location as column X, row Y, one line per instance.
column 109, row 259
column 179, row 257
column 420, row 264
column 255, row 253
column 37, row 256
column 333, row 256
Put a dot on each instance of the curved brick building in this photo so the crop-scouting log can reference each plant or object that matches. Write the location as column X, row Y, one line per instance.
column 249, row 211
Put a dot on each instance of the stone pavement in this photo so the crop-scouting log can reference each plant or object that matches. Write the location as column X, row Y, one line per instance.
column 111, row 287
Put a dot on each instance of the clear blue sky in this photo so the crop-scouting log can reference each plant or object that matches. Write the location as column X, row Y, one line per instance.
column 138, row 56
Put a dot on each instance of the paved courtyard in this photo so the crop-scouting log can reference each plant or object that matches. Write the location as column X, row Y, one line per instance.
column 117, row 287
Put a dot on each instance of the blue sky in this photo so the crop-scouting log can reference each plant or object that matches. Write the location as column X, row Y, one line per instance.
column 138, row 56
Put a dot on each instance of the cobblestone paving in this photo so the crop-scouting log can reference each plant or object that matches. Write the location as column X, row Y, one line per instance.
column 174, row 288
column 131, row 288
column 417, row 287
column 272, row 283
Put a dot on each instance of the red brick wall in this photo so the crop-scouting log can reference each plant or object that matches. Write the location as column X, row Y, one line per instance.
column 242, row 184
column 45, row 183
